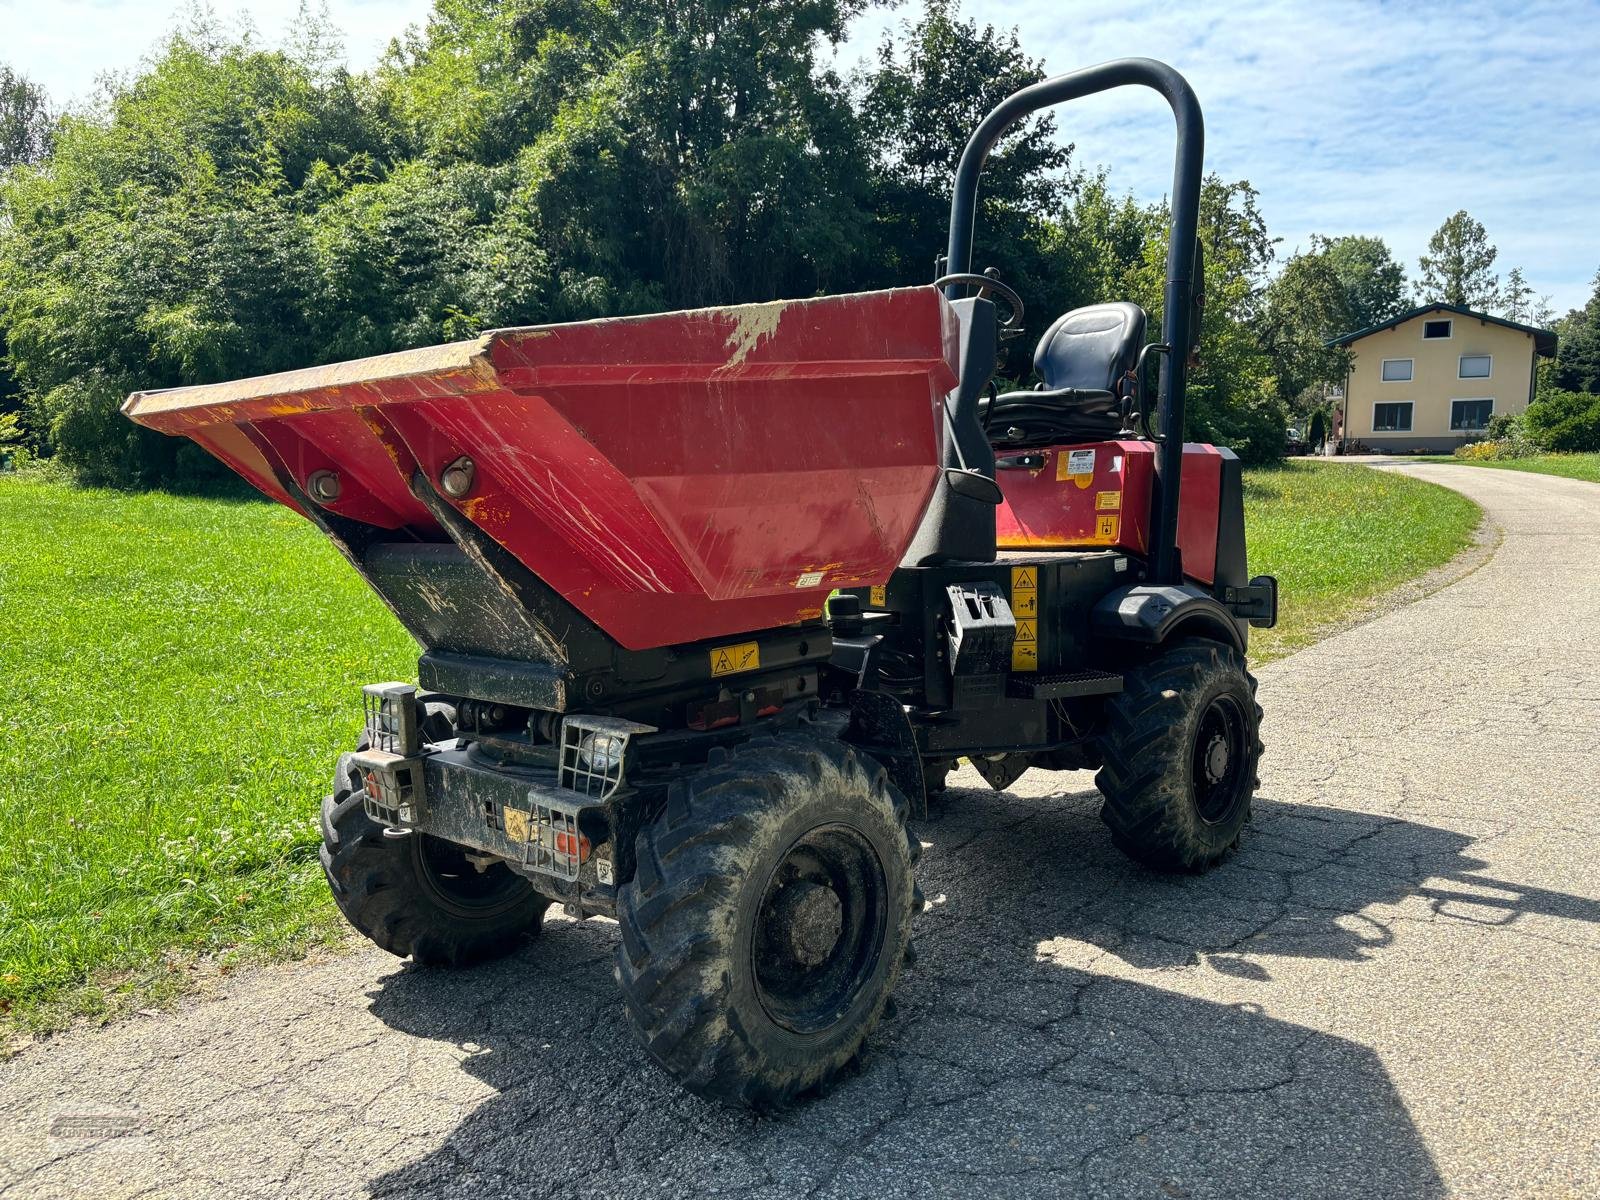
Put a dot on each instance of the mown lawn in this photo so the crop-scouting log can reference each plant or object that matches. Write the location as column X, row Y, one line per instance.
column 179, row 676
column 1336, row 535
column 1571, row 466
column 181, row 673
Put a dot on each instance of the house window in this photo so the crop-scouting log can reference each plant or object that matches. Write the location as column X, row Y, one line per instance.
column 1475, row 366
column 1467, row 415
column 1397, row 370
column 1391, row 418
column 1435, row 329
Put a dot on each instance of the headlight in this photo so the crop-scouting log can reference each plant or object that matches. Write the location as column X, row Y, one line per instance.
column 593, row 753
column 601, row 752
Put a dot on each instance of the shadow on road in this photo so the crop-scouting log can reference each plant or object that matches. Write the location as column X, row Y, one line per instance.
column 1008, row 1069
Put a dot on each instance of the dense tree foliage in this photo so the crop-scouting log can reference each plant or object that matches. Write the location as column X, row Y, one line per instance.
column 25, row 119
column 1374, row 283
column 920, row 101
column 1306, row 302
column 234, row 209
column 1577, row 366
column 1459, row 265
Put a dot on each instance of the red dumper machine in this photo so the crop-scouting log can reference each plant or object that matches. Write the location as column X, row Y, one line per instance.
column 616, row 541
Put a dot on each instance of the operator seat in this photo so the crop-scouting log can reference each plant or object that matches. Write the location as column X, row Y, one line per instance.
column 1087, row 360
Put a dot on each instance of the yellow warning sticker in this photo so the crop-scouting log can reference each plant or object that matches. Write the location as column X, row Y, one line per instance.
column 1111, row 501
column 1025, row 608
column 729, row 660
column 515, row 823
column 878, row 597
column 1106, row 527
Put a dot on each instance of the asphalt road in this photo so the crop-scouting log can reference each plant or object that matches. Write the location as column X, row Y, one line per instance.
column 1391, row 991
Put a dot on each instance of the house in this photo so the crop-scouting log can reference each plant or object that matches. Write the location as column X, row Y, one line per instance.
column 1431, row 378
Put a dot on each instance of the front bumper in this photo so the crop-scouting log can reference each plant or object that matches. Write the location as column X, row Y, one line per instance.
column 533, row 820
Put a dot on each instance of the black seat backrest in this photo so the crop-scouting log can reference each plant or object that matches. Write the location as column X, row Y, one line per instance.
column 1091, row 348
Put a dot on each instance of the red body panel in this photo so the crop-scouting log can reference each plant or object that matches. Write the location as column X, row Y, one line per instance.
column 1101, row 494
column 676, row 477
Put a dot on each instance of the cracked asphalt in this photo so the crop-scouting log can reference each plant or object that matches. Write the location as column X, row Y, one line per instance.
column 1392, row 990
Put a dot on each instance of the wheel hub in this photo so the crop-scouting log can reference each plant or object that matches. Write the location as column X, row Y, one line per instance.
column 1220, row 756
column 810, row 918
column 1217, row 759
column 819, row 928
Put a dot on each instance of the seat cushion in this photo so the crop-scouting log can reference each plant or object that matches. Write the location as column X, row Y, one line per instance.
column 1091, row 348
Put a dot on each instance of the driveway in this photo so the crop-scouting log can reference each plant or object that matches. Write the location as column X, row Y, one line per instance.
column 1391, row 991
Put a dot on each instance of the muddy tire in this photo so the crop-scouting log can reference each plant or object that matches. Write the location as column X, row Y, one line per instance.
column 417, row 895
column 1181, row 751
column 766, row 925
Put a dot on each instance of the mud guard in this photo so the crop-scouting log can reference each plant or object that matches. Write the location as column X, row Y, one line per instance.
column 1150, row 614
column 880, row 727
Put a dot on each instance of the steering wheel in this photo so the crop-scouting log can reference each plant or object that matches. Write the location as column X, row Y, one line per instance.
column 985, row 284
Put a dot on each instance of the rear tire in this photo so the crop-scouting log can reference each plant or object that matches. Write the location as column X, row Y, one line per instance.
column 1181, row 752
column 765, row 927
column 417, row 895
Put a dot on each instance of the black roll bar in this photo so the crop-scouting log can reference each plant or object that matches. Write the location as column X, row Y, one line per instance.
column 1175, row 331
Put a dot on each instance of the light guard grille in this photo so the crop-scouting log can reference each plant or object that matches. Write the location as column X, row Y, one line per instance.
column 391, row 717
column 594, row 751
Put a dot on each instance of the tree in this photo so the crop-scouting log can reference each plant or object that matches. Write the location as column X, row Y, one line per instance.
column 25, row 120
column 1457, row 269
column 1517, row 298
column 1577, row 367
column 170, row 241
column 1374, row 283
column 1307, row 305
column 668, row 153
column 1233, row 397
column 919, row 102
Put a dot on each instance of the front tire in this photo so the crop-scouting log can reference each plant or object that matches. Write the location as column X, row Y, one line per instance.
column 1181, row 752
column 767, row 921
column 418, row 895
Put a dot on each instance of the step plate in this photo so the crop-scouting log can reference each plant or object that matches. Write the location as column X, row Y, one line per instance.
column 1064, row 685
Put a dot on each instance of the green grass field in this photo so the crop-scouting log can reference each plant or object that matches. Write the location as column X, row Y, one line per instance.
column 1336, row 536
column 181, row 674
column 1571, row 466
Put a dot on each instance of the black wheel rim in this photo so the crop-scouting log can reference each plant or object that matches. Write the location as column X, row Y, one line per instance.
column 458, row 886
column 819, row 931
column 1220, row 760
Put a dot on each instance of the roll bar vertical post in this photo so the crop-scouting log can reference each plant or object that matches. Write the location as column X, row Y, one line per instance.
column 1178, row 311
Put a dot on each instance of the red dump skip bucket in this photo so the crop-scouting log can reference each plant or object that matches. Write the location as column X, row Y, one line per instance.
column 677, row 477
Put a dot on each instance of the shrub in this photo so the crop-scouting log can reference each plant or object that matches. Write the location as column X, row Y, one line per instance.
column 1565, row 421
column 1508, row 437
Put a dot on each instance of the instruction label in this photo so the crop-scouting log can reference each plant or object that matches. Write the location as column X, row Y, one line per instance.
column 1107, row 501
column 878, row 597
column 730, row 660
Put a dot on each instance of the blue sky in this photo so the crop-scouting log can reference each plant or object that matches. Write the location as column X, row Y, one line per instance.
column 1349, row 116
